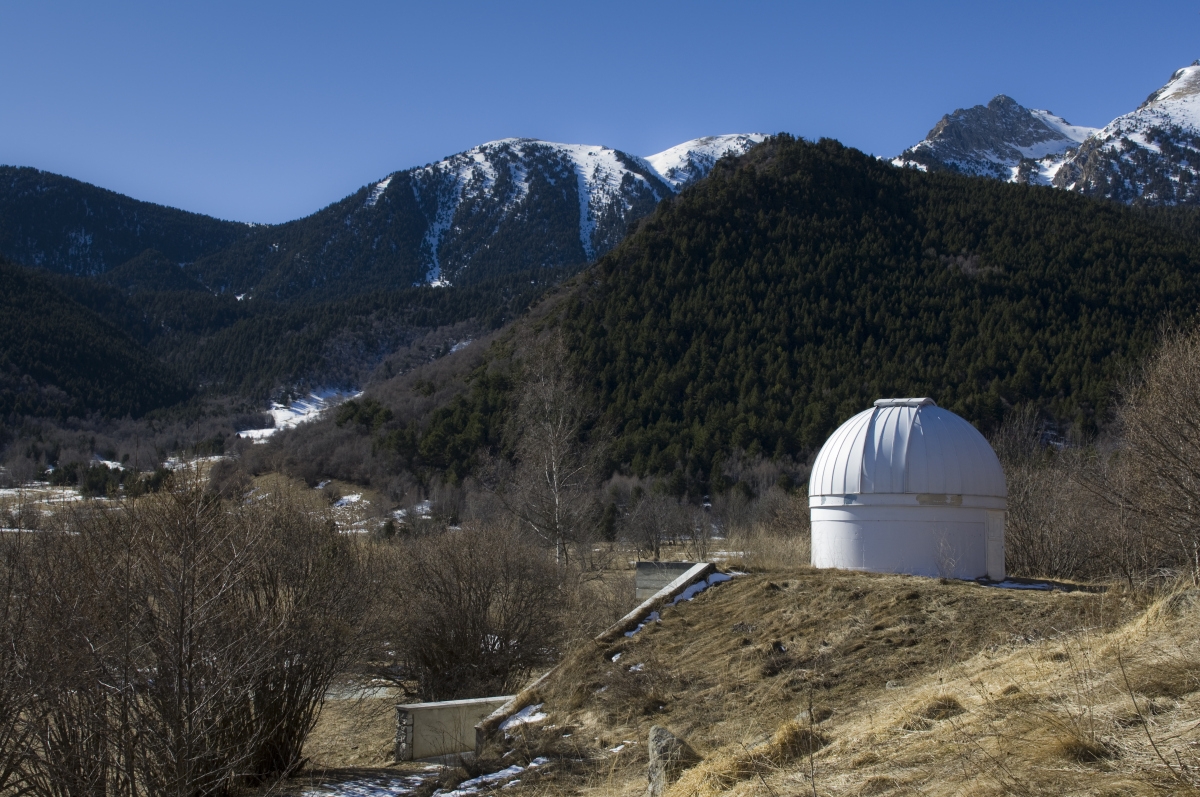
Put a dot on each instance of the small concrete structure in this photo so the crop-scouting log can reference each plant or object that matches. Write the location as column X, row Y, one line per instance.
column 653, row 576
column 908, row 487
column 425, row 730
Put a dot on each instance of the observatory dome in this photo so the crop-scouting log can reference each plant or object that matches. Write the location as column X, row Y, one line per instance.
column 908, row 487
column 907, row 445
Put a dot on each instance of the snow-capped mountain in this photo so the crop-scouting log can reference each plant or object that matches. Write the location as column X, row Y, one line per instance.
column 1002, row 139
column 504, row 207
column 508, row 182
column 1149, row 156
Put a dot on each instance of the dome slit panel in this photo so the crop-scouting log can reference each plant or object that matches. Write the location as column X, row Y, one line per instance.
column 899, row 447
column 954, row 450
column 916, row 457
column 871, row 453
column 936, row 480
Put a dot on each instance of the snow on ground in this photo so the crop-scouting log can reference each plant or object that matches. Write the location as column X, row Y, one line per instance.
column 348, row 500
column 653, row 617
column 1076, row 133
column 526, row 716
column 1017, row 585
column 700, row 586
column 462, row 344
column 472, row 786
column 372, row 786
column 298, row 411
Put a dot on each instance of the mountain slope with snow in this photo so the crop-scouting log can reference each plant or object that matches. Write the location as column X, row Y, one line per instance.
column 1149, row 156
column 1002, row 139
column 508, row 206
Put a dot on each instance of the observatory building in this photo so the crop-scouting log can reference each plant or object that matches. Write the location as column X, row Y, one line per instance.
column 908, row 487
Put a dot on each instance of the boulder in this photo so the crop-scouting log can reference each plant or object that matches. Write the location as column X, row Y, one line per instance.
column 669, row 756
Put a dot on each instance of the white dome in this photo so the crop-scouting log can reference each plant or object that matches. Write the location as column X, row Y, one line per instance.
column 907, row 445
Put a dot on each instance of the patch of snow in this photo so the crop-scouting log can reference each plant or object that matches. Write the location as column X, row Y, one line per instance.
column 637, row 667
column 348, row 500
column 298, row 411
column 381, row 786
column 651, row 618
column 462, row 344
column 377, row 191
column 472, row 786
column 616, row 656
column 695, row 589
column 108, row 463
column 1017, row 585
column 526, row 716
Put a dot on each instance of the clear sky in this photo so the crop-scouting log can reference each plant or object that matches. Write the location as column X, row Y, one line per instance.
column 264, row 112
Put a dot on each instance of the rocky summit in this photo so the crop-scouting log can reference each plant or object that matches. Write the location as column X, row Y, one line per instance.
column 1147, row 156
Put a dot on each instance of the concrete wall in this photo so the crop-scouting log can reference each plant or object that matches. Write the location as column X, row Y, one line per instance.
column 424, row 730
column 653, row 576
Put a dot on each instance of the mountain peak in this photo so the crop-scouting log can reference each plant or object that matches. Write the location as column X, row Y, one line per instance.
column 1184, row 85
column 1148, row 156
column 994, row 140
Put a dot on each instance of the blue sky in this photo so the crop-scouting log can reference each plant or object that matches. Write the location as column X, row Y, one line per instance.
column 268, row 111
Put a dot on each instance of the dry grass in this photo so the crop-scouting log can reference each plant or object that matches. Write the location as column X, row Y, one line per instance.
column 353, row 733
column 889, row 664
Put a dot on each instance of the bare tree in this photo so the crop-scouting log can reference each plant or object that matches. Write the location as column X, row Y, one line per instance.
column 553, row 487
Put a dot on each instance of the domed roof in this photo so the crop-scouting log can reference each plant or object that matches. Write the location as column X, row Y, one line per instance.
column 907, row 445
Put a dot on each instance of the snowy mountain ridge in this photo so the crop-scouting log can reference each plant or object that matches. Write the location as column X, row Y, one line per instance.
column 1148, row 156
column 504, row 180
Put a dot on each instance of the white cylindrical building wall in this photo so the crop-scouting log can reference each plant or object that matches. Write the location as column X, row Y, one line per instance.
column 907, row 487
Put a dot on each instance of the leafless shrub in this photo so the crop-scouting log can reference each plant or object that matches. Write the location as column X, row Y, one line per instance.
column 472, row 611
column 1161, row 480
column 186, row 642
column 1065, row 519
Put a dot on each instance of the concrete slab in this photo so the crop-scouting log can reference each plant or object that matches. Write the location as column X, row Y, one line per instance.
column 425, row 730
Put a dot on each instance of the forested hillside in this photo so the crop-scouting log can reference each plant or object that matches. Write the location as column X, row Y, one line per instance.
column 768, row 303
column 64, row 225
column 58, row 358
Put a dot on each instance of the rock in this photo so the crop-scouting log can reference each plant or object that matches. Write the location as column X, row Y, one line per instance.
column 669, row 756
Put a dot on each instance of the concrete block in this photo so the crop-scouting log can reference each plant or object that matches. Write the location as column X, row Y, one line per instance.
column 424, row 730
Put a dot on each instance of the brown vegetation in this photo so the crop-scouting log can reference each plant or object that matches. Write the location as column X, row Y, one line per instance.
column 173, row 645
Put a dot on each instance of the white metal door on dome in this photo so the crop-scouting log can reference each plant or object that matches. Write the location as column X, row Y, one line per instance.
column 995, row 545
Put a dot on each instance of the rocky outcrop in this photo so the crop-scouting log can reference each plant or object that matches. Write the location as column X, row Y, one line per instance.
column 669, row 757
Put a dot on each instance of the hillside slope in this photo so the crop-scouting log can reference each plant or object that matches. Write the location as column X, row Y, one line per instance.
column 64, row 225
column 504, row 207
column 58, row 358
column 796, row 285
column 898, row 685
